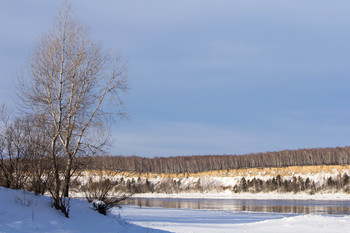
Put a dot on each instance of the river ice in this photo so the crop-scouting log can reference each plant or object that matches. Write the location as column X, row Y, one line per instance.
column 203, row 221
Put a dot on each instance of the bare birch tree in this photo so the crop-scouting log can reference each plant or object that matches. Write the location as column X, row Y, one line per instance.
column 73, row 88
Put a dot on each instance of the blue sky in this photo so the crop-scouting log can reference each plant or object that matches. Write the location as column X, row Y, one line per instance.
column 210, row 77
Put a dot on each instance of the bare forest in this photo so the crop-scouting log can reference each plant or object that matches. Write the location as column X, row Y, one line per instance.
column 193, row 164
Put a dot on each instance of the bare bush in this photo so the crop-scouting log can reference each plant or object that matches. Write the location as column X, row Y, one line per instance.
column 13, row 157
column 104, row 195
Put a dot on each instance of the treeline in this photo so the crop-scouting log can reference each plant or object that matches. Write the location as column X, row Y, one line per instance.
column 295, row 185
column 193, row 164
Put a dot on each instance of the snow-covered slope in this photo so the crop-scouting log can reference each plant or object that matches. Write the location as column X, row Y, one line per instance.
column 22, row 211
column 298, row 179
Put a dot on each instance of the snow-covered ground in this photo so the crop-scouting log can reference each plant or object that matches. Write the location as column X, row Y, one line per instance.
column 24, row 212
column 230, row 180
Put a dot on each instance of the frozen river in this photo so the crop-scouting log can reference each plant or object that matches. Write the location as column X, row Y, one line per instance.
column 206, row 220
column 229, row 215
column 327, row 207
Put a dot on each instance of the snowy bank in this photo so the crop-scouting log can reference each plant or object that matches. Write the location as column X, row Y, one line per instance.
column 22, row 211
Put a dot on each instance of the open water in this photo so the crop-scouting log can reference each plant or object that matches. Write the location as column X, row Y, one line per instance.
column 325, row 207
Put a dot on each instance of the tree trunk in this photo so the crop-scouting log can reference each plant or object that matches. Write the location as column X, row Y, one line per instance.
column 56, row 191
column 67, row 176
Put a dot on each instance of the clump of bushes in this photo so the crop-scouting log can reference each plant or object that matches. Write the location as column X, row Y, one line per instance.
column 103, row 195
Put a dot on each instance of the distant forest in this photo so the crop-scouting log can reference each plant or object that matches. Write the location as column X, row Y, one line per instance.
column 194, row 164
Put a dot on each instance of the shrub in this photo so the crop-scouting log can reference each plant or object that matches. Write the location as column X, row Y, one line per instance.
column 99, row 193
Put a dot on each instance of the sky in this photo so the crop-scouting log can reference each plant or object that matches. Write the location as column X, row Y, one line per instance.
column 209, row 77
